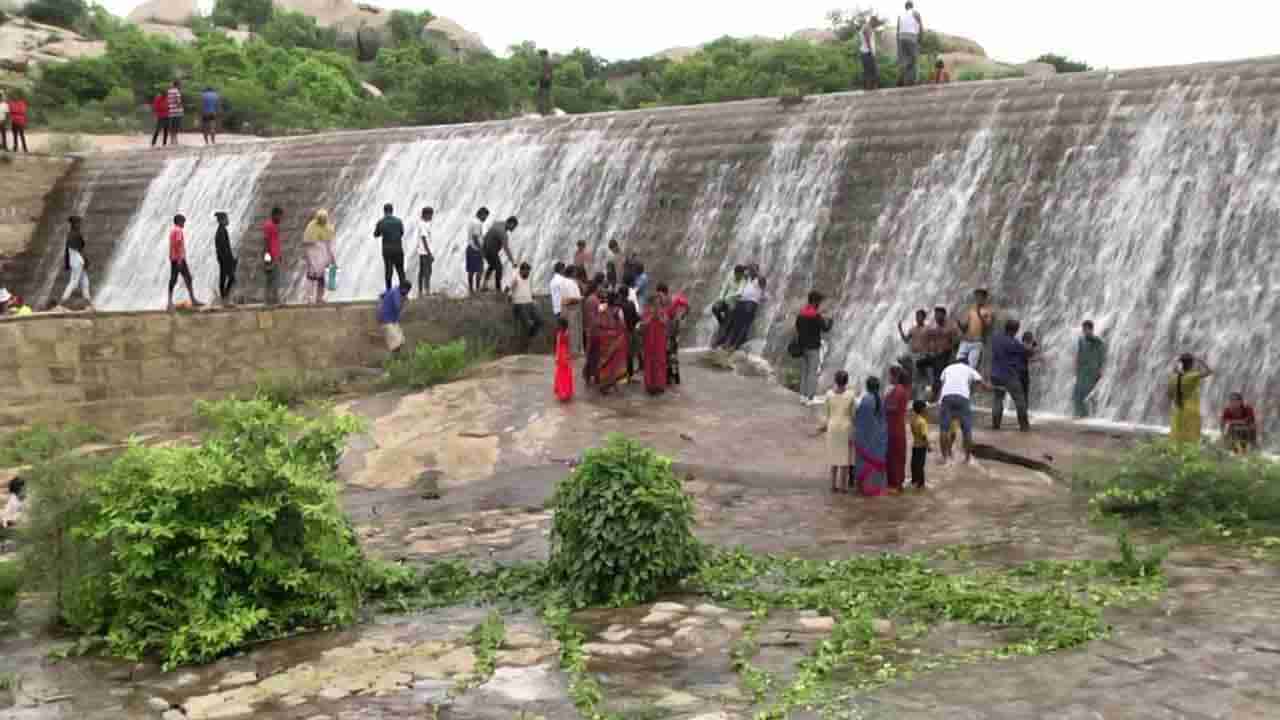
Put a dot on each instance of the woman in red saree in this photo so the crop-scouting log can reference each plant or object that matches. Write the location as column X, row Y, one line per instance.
column 564, row 363
column 656, row 317
column 612, row 339
column 896, row 403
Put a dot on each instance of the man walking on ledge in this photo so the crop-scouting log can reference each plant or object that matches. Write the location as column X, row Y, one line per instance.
column 391, row 230
column 910, row 30
column 496, row 242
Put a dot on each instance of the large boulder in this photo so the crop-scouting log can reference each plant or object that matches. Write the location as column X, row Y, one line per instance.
column 451, row 39
column 27, row 44
column 165, row 12
column 342, row 14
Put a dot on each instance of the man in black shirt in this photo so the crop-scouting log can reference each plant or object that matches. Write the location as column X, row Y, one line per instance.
column 391, row 230
column 73, row 261
column 226, row 258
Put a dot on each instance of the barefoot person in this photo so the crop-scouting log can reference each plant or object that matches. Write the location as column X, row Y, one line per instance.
column 227, row 261
column 1184, row 396
column 390, row 309
column 976, row 327
column 896, row 403
column 870, row 441
column 1091, row 358
column 613, row 337
column 957, row 389
column 839, row 429
column 317, row 250
column 178, row 260
column 917, row 340
column 422, row 248
column 679, row 309
column 564, row 362
column 654, row 334
column 1009, row 359
column 73, row 260
column 810, row 325
column 919, row 442
column 475, row 250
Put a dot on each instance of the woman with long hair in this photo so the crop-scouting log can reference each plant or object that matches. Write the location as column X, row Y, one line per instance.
column 1184, row 395
column 896, row 403
column 317, row 250
column 654, row 333
column 870, row 441
column 679, row 309
column 564, row 362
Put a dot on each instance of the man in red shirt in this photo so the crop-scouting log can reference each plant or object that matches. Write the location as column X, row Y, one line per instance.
column 160, row 109
column 178, row 260
column 271, row 238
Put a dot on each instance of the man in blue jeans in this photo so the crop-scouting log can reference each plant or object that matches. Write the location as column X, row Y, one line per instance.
column 957, row 390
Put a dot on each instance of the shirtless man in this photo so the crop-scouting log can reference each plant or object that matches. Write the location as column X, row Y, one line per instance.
column 976, row 326
column 917, row 339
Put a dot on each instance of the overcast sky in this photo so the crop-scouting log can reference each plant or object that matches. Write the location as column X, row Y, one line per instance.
column 1104, row 33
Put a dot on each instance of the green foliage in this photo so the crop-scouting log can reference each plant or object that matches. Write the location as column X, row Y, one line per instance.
column 485, row 640
column 623, row 528
column 41, row 442
column 77, row 82
column 236, row 539
column 1185, row 486
column 9, row 584
column 406, row 26
column 295, row 388
column 970, row 76
column 1063, row 64
column 63, row 13
column 232, row 13
column 426, row 365
column 395, row 68
column 290, row 29
column 730, row 69
column 455, row 92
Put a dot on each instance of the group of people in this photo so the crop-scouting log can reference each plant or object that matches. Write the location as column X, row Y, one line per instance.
column 910, row 32
column 735, row 310
column 13, row 119
column 169, row 109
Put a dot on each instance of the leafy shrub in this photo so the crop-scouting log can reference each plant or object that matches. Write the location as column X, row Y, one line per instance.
column 1171, row 484
column 209, row 547
column 40, row 442
column 623, row 527
column 294, row 388
column 428, row 365
column 63, row 13
column 970, row 76
column 9, row 583
column 1063, row 64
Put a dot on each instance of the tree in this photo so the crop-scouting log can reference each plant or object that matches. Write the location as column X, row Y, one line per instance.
column 1063, row 64
column 63, row 13
column 452, row 92
column 406, row 27
column 395, row 68
column 290, row 29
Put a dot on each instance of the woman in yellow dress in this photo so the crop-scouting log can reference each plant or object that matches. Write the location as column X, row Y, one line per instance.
column 1184, row 394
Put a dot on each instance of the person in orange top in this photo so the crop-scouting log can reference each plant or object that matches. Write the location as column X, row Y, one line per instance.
column 940, row 75
column 178, row 260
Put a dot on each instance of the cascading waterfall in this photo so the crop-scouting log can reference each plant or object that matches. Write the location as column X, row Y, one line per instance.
column 1146, row 203
column 196, row 186
column 570, row 184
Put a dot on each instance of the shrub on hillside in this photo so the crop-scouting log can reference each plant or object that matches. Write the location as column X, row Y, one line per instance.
column 623, row 527
column 194, row 551
column 1171, row 484
column 41, row 442
column 295, row 388
column 8, row 588
column 63, row 13
column 426, row 365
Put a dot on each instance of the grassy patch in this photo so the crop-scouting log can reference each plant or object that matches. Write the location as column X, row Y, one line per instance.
column 1186, row 488
column 485, row 639
column 426, row 365
column 293, row 389
column 40, row 442
column 9, row 584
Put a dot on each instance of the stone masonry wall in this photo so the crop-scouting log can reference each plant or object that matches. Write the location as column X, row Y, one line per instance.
column 112, row 370
column 26, row 182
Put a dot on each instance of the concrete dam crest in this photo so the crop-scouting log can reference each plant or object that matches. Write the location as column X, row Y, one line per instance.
column 1145, row 200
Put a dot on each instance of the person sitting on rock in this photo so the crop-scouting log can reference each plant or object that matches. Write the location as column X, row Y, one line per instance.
column 1239, row 425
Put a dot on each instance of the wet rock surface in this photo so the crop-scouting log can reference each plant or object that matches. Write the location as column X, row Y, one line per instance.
column 495, row 445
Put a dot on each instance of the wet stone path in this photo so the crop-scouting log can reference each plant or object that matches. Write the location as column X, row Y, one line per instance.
column 466, row 471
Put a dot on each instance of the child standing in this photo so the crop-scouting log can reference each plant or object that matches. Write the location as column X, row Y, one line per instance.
column 919, row 442
column 564, row 365
column 839, row 428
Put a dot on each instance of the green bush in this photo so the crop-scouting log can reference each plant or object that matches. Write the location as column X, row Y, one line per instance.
column 426, row 365
column 209, row 547
column 623, row 527
column 294, row 388
column 40, row 442
column 63, row 13
column 9, row 583
column 1063, row 64
column 1181, row 485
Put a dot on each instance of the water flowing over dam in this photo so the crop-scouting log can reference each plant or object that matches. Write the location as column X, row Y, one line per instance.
column 1145, row 200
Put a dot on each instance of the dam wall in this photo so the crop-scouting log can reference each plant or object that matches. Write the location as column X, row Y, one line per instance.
column 26, row 184
column 1146, row 200
column 112, row 370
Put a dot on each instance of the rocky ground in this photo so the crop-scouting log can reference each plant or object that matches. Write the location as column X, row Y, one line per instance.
column 465, row 471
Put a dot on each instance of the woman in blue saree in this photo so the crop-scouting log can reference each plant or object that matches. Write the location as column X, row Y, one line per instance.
column 870, row 441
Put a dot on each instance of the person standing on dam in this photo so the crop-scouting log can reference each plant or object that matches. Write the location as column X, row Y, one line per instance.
column 272, row 259
column 475, row 250
column 917, row 341
column 1091, row 356
column 73, row 261
column 496, row 242
column 867, row 52
column 178, row 260
column 544, row 83
column 174, row 101
column 910, row 30
column 226, row 258
column 391, row 230
column 976, row 327
column 422, row 244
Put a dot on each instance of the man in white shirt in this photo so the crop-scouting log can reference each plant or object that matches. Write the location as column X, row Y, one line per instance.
column 910, row 30
column 475, row 250
column 957, row 390
column 556, row 288
column 422, row 244
column 522, row 302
